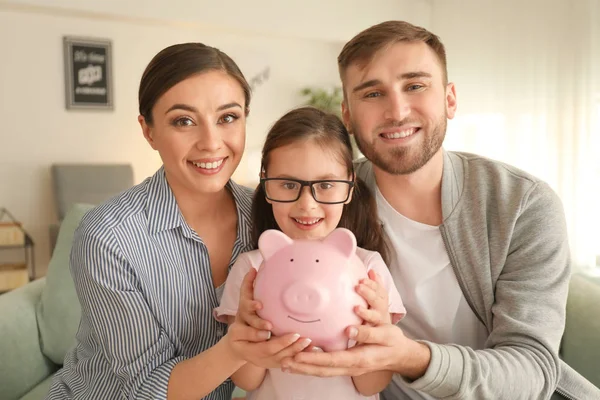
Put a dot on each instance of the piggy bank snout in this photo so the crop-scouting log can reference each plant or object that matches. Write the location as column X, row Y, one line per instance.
column 304, row 298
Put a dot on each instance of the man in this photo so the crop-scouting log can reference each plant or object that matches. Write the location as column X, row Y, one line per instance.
column 481, row 251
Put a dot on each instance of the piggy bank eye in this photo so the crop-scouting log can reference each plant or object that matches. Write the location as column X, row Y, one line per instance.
column 317, row 260
column 291, row 259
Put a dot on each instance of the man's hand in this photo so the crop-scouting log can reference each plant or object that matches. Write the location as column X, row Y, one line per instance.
column 249, row 335
column 383, row 348
column 381, row 345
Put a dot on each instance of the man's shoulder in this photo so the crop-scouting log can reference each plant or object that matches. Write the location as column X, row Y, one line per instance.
column 471, row 163
column 362, row 164
column 489, row 180
column 475, row 164
column 363, row 168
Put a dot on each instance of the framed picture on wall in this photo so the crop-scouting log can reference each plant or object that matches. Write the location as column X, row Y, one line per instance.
column 88, row 73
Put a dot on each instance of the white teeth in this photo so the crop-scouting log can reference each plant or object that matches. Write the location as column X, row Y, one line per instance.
column 401, row 134
column 212, row 165
column 314, row 221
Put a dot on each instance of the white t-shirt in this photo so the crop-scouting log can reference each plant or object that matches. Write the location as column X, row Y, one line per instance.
column 436, row 307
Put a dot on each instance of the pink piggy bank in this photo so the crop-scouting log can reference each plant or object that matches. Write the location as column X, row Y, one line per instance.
column 308, row 286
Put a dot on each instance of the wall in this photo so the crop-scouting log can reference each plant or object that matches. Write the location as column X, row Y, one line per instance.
column 528, row 88
column 334, row 20
column 36, row 130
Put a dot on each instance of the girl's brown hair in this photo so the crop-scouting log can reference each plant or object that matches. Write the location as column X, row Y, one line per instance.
column 177, row 63
column 327, row 130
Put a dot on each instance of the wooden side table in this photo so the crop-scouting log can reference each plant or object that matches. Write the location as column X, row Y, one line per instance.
column 12, row 239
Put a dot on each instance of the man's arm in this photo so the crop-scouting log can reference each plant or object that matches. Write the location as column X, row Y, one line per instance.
column 520, row 360
column 521, row 356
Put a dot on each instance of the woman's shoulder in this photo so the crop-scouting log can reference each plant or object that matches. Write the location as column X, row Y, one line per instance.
column 117, row 209
column 243, row 200
column 247, row 190
column 243, row 195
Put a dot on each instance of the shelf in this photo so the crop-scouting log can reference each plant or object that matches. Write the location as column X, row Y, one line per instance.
column 13, row 276
column 12, row 238
column 12, row 266
column 13, row 246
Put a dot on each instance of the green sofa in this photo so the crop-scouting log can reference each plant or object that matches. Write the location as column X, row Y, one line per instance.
column 38, row 323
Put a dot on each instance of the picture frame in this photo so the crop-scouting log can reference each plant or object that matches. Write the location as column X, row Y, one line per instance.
column 88, row 73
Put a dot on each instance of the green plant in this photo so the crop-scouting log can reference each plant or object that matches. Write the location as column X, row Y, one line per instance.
column 329, row 100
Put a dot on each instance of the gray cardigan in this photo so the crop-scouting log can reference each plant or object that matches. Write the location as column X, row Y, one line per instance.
column 506, row 238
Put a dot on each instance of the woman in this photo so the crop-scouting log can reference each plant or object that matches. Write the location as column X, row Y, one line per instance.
column 149, row 264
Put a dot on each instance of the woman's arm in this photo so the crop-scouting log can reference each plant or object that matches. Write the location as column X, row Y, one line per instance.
column 139, row 353
column 116, row 315
column 249, row 376
column 196, row 377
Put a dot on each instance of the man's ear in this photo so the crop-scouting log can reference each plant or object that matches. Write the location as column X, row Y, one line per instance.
column 450, row 100
column 147, row 131
column 346, row 115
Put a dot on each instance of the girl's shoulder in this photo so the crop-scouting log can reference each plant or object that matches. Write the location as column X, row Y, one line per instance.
column 368, row 257
column 250, row 259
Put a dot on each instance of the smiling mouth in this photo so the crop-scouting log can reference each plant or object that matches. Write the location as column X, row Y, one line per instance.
column 401, row 134
column 209, row 165
column 304, row 322
column 307, row 222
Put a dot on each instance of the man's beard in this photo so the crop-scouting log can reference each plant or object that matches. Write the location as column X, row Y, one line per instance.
column 406, row 159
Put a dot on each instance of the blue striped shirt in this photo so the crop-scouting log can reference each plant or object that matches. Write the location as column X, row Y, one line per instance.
column 147, row 296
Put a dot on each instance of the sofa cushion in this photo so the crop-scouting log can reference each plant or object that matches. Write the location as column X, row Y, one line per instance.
column 88, row 183
column 581, row 341
column 40, row 391
column 22, row 364
column 59, row 311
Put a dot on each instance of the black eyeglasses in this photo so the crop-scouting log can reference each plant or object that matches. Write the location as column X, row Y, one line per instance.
column 287, row 190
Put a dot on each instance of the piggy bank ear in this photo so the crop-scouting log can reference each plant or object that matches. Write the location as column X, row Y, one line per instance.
column 343, row 240
column 271, row 241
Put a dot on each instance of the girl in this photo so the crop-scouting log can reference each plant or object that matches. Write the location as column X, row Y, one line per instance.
column 149, row 265
column 307, row 189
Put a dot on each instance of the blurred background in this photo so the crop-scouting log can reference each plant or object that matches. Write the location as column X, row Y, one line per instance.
column 527, row 75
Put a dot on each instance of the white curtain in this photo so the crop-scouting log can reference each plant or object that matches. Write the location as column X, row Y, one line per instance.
column 528, row 84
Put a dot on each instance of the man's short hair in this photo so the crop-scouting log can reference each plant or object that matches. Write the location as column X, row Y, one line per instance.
column 362, row 48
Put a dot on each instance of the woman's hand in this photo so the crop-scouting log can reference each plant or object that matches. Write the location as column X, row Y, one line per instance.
column 250, row 337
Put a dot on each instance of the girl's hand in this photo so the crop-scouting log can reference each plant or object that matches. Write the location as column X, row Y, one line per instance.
column 249, row 336
column 247, row 307
column 376, row 295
